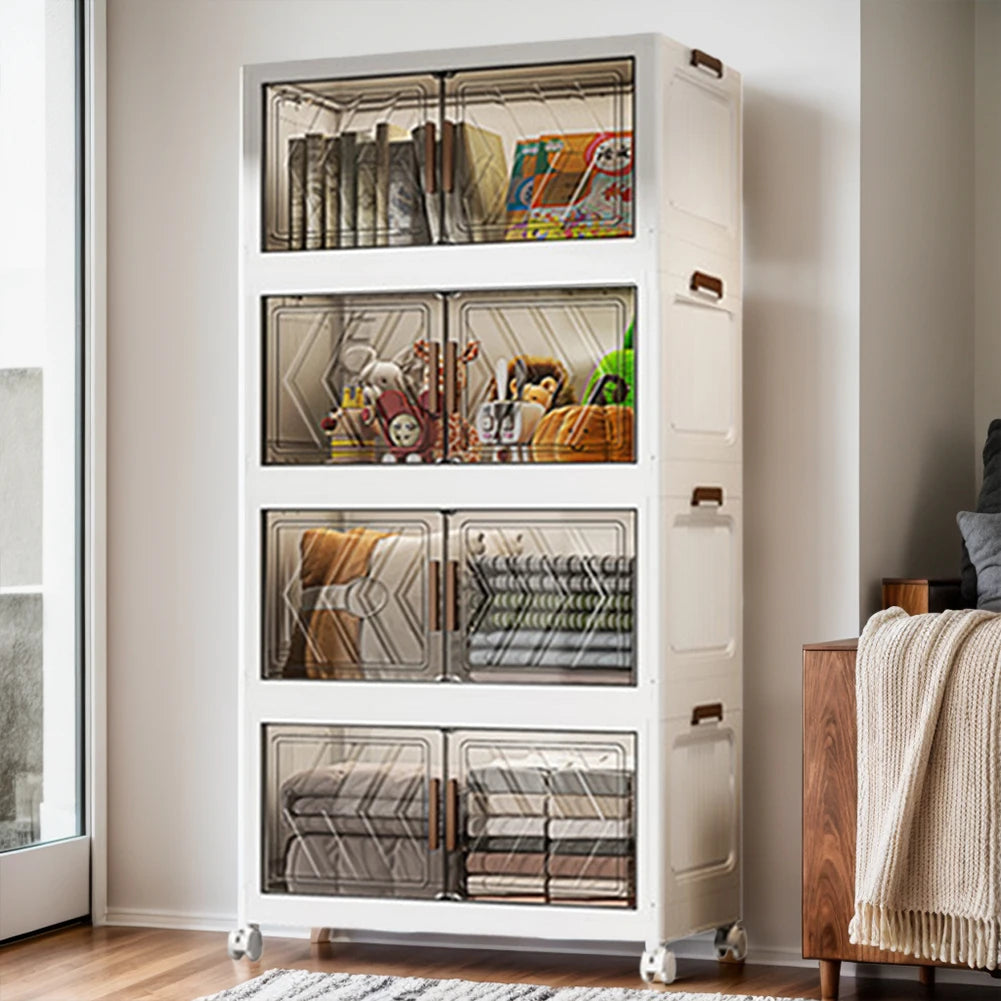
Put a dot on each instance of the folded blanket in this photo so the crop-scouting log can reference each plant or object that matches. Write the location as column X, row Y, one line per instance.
column 591, row 781
column 583, row 659
column 591, row 846
column 550, row 639
column 496, row 778
column 559, row 829
column 928, row 850
column 526, row 846
column 511, row 864
column 566, row 805
column 520, row 600
column 577, row 621
column 593, row 566
column 564, row 584
column 411, row 808
column 506, row 804
column 359, row 782
column 506, row 827
column 585, row 866
column 374, row 827
column 517, row 886
column 320, row 863
column 588, row 888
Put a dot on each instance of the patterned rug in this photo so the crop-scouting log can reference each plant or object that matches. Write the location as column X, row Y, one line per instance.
column 298, row 985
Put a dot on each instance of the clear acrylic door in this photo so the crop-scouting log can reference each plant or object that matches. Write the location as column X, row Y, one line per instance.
column 352, row 811
column 347, row 378
column 352, row 595
column 551, row 375
column 345, row 163
column 540, row 818
column 542, row 596
column 539, row 152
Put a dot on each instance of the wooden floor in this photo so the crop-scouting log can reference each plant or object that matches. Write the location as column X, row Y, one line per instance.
column 134, row 964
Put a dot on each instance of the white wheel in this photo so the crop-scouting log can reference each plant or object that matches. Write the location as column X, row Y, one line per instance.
column 731, row 943
column 659, row 964
column 245, row 942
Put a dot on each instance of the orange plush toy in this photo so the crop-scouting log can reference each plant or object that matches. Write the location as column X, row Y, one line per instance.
column 586, row 433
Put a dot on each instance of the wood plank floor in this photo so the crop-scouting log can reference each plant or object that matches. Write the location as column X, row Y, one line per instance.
column 135, row 964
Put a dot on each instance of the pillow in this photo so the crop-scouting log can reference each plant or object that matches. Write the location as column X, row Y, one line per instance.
column 989, row 502
column 982, row 535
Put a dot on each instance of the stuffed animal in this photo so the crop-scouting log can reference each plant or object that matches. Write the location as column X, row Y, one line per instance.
column 542, row 393
column 621, row 363
column 525, row 371
column 372, row 373
column 463, row 441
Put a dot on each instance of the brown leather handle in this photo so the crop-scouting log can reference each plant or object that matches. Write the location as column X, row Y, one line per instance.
column 711, row 710
column 711, row 63
column 451, row 596
column 707, row 495
column 451, row 376
column 448, row 156
column 434, row 596
column 434, row 811
column 451, row 815
column 706, row 283
column 430, row 167
column 433, row 364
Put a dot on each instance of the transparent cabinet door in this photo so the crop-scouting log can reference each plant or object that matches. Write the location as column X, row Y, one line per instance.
column 539, row 152
column 543, row 596
column 345, row 163
column 552, row 375
column 352, row 595
column 347, row 378
column 541, row 817
column 352, row 811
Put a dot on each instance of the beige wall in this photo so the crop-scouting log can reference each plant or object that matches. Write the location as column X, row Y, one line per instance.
column 173, row 249
column 917, row 288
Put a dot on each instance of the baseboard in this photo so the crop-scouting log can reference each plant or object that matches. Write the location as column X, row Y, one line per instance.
column 135, row 917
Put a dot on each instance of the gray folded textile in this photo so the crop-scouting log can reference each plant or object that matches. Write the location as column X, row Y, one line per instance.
column 555, row 601
column 591, row 781
column 566, row 806
column 594, row 565
column 591, row 846
column 583, row 659
column 564, row 584
column 320, row 863
column 526, row 846
column 550, row 639
column 375, row 827
column 496, row 778
column 505, row 804
column 347, row 806
column 568, row 829
column 588, row 888
column 508, row 863
column 507, row 827
column 358, row 780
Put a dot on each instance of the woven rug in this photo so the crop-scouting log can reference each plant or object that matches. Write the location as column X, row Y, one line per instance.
column 298, row 985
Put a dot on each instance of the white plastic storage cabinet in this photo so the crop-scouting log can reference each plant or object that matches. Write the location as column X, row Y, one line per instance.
column 491, row 613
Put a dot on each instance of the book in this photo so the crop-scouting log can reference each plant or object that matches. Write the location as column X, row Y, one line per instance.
column 296, row 193
column 382, row 183
column 348, row 189
column 407, row 223
column 365, row 194
column 583, row 186
column 481, row 182
column 331, row 193
column 425, row 145
column 316, row 148
column 519, row 190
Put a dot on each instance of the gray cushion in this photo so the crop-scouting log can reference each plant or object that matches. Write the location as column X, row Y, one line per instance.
column 989, row 502
column 982, row 535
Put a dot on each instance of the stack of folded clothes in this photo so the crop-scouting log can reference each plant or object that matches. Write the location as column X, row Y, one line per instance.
column 552, row 611
column 554, row 834
column 357, row 828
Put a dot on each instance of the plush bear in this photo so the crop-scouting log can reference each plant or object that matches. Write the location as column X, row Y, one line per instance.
column 541, row 393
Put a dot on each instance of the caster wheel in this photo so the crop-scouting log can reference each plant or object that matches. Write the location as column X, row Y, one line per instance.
column 658, row 964
column 731, row 943
column 245, row 942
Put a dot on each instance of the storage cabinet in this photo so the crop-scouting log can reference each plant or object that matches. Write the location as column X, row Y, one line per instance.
column 491, row 519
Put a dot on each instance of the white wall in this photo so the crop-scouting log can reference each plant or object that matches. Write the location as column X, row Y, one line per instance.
column 172, row 238
column 987, row 225
column 917, row 288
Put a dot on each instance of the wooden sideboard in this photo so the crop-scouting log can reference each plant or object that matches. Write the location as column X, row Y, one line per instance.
column 829, row 798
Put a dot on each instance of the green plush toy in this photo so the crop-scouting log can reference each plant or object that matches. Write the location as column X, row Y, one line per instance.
column 620, row 363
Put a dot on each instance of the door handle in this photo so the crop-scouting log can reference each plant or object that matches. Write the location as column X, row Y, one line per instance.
column 430, row 158
column 434, row 596
column 711, row 710
column 450, row 379
column 707, row 495
column 448, row 156
column 701, row 281
column 711, row 63
column 434, row 375
column 434, row 810
column 451, row 596
column 451, row 815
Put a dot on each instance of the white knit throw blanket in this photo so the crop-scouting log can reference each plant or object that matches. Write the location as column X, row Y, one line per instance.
column 928, row 848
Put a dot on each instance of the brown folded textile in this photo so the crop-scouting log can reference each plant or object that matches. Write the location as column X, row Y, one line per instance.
column 328, row 646
column 499, row 863
column 589, row 866
column 568, row 806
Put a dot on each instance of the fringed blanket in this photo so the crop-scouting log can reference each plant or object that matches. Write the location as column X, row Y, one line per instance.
column 928, row 858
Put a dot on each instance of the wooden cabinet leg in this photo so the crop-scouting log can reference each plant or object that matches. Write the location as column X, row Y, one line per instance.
column 926, row 975
column 317, row 936
column 830, row 978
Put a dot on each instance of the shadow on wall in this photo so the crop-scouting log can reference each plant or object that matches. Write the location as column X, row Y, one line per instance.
column 800, row 459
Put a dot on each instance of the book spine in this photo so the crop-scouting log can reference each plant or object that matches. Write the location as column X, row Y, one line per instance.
column 315, row 149
column 382, row 183
column 408, row 222
column 331, row 193
column 365, row 200
column 348, row 190
column 296, row 193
